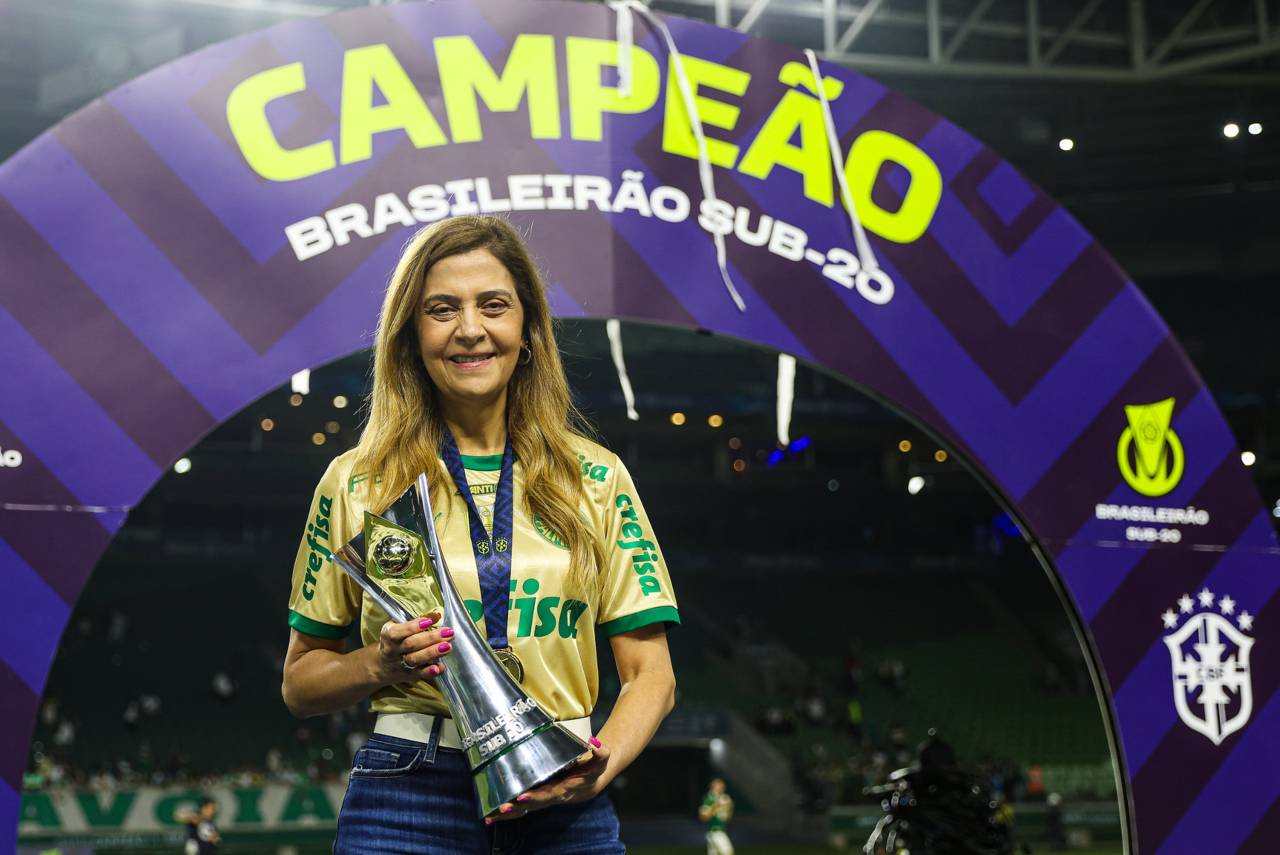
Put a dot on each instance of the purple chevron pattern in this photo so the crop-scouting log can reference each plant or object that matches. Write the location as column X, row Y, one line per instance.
column 148, row 292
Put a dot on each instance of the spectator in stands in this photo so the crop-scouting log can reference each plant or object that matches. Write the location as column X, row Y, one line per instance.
column 117, row 626
column 467, row 378
column 893, row 674
column 853, row 721
column 716, row 810
column 65, row 734
column 902, row 754
column 223, row 687
column 776, row 721
column 1035, row 783
column 851, row 668
column 49, row 712
column 814, row 705
column 1053, row 828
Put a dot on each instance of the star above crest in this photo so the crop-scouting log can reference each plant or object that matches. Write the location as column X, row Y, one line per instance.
column 1225, row 604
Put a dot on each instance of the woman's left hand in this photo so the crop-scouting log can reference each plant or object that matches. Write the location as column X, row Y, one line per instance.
column 578, row 784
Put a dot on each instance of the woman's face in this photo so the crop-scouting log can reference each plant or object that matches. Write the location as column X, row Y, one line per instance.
column 470, row 328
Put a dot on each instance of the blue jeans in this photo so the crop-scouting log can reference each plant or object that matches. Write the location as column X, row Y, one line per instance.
column 411, row 798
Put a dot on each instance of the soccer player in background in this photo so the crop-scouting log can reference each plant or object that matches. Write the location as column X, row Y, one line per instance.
column 716, row 811
column 202, row 834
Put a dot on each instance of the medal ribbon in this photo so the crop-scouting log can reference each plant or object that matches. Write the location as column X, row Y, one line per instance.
column 493, row 553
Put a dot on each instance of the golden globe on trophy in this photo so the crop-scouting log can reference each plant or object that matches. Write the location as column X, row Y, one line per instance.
column 511, row 743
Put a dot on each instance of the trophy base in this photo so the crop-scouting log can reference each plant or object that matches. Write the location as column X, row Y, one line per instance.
column 536, row 759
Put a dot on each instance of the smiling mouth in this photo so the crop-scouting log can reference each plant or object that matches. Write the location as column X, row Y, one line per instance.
column 468, row 359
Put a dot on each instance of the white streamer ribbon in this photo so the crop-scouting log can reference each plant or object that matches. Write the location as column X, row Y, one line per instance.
column 869, row 269
column 613, row 329
column 625, row 37
column 786, row 396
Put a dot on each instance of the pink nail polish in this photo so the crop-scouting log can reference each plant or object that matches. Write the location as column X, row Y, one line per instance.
column 446, row 633
column 505, row 809
column 488, row 820
column 433, row 670
column 594, row 742
column 523, row 798
column 445, row 647
column 425, row 623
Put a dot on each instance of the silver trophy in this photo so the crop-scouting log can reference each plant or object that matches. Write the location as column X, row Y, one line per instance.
column 512, row 744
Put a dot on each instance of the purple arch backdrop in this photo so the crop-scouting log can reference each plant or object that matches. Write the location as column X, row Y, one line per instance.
column 179, row 247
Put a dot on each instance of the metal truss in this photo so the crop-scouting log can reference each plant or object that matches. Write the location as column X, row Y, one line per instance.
column 1103, row 40
column 1226, row 41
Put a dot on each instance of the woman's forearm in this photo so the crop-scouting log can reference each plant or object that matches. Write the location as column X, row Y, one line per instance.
column 642, row 704
column 321, row 681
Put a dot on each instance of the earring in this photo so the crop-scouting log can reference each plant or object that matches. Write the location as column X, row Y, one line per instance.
column 527, row 353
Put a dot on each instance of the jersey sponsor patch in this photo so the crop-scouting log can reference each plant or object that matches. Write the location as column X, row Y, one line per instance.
column 643, row 552
column 318, row 540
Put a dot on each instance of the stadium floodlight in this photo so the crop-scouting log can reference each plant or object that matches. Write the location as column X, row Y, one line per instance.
column 301, row 382
column 1231, row 130
column 915, row 484
column 1066, row 143
column 1255, row 128
column 1248, row 458
column 182, row 466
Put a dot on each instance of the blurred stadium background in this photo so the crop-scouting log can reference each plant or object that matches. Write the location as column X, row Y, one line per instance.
column 831, row 615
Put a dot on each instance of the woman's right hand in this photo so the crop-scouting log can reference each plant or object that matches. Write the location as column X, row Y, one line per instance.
column 413, row 650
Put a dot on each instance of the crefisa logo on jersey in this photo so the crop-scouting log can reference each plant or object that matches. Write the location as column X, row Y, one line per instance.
column 1209, row 655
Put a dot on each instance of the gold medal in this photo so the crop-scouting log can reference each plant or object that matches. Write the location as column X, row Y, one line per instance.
column 511, row 662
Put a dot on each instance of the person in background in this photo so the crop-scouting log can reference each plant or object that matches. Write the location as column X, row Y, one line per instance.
column 716, row 811
column 202, row 834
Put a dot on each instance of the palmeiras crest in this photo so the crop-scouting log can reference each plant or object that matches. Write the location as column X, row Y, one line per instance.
column 1209, row 657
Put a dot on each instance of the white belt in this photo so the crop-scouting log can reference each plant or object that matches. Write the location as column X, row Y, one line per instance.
column 416, row 727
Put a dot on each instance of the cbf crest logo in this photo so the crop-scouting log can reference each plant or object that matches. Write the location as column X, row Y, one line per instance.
column 1209, row 655
column 1149, row 452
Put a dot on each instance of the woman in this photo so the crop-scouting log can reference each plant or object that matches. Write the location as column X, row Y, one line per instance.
column 468, row 387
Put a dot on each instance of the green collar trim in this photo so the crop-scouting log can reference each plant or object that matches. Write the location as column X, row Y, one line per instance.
column 482, row 462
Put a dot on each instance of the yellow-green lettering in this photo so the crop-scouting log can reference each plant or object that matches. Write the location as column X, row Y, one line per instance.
column 867, row 155
column 247, row 117
column 363, row 69
column 466, row 76
column 797, row 111
column 677, row 133
column 589, row 99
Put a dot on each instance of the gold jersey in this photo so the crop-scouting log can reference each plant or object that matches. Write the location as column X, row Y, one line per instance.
column 552, row 631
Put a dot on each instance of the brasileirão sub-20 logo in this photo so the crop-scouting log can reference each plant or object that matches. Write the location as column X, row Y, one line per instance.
column 1209, row 656
column 1149, row 452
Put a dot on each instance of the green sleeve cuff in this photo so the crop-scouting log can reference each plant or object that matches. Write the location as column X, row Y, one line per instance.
column 314, row 627
column 626, row 623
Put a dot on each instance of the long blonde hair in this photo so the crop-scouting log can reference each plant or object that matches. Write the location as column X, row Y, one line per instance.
column 405, row 427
